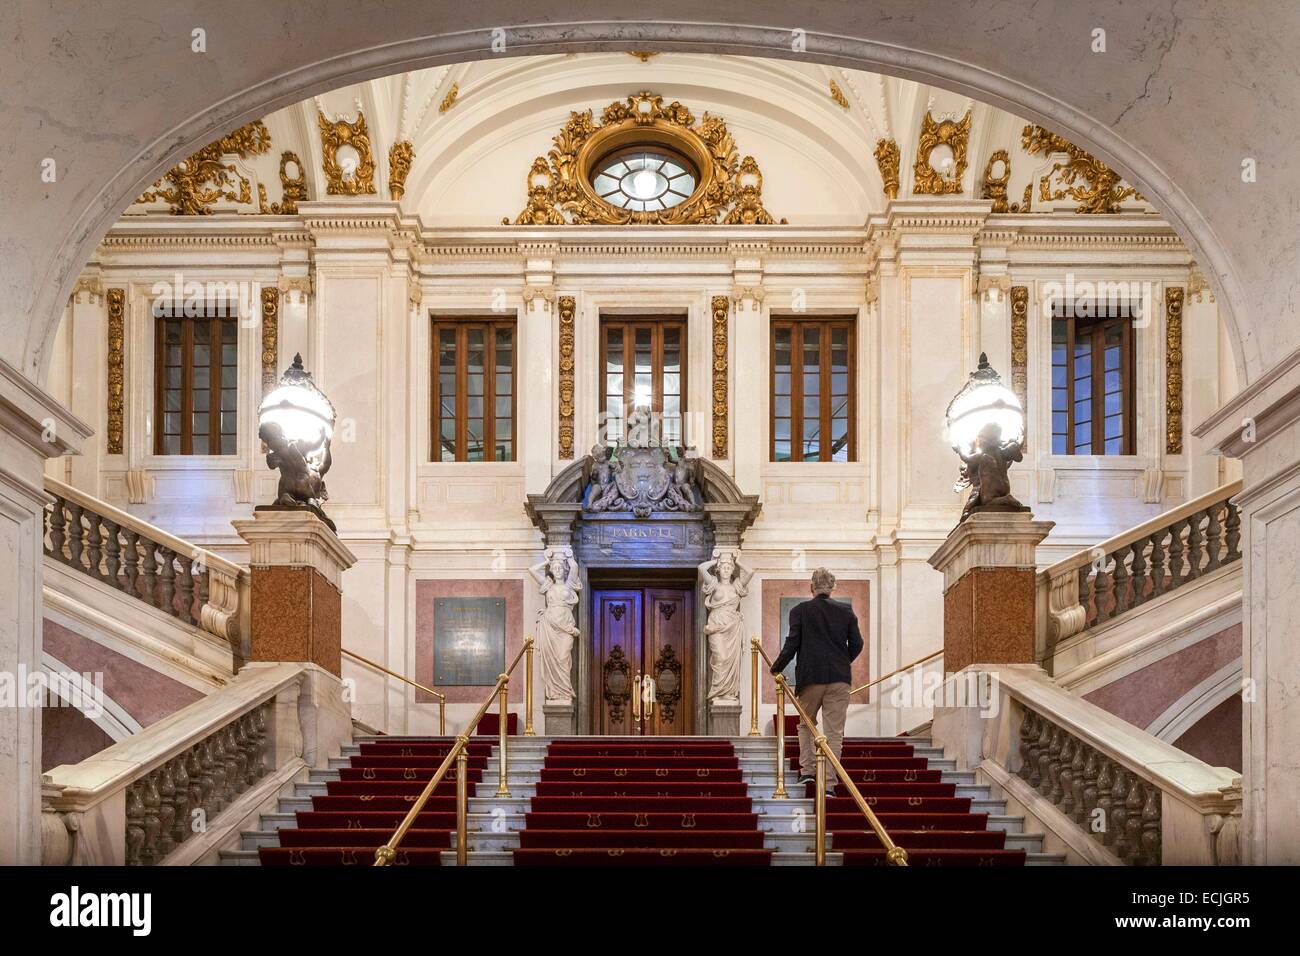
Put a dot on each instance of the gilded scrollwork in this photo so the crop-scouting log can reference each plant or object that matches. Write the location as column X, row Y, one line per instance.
column 566, row 310
column 270, row 337
column 359, row 179
column 1174, row 296
column 293, row 188
column 116, row 374
column 720, row 404
column 559, row 184
column 1082, row 177
column 887, row 158
column 838, row 96
column 1020, row 345
column 400, row 157
column 929, row 180
column 201, row 179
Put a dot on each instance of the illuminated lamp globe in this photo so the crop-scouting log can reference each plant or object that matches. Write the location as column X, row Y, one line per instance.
column 984, row 401
column 296, row 424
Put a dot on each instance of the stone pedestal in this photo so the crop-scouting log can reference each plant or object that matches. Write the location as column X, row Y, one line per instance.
column 988, row 589
column 558, row 718
column 724, row 718
column 297, row 566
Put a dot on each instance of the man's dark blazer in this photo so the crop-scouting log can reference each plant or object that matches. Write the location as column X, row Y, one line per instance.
column 825, row 637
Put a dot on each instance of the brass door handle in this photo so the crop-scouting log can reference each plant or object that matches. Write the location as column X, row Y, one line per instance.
column 636, row 698
column 648, row 690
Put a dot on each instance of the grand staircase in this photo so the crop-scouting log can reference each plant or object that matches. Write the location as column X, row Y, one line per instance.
column 637, row 801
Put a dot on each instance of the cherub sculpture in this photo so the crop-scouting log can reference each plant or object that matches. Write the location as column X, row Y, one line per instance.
column 985, row 472
column 604, row 481
column 302, row 467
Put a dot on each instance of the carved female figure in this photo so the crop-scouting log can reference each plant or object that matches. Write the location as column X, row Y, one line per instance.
column 723, row 582
column 557, row 578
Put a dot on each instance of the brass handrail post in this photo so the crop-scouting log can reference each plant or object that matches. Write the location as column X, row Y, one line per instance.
column 819, row 849
column 442, row 717
column 779, row 793
column 528, row 688
column 462, row 802
column 503, row 707
column 753, row 690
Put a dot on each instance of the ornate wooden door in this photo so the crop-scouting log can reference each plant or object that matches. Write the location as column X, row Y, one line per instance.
column 643, row 659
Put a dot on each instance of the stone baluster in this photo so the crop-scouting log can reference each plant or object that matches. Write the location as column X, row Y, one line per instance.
column 1089, row 792
column 200, row 589
column 58, row 523
column 1053, row 779
column 1140, row 580
column 1040, row 776
column 94, row 545
column 149, row 854
column 112, row 554
column 1177, row 550
column 1133, row 817
column 1232, row 531
column 149, row 574
column 185, row 589
column 1104, row 586
column 166, row 809
column 1077, row 783
column 1063, row 795
column 1195, row 546
column 1105, row 788
column 166, row 580
column 1214, row 537
column 1027, row 737
column 134, row 825
column 131, row 561
column 1087, row 594
column 236, row 778
column 76, row 536
column 1158, row 572
column 260, row 735
column 1119, row 813
column 220, row 787
column 198, row 791
column 1122, row 600
column 208, row 774
column 180, row 800
column 1149, row 847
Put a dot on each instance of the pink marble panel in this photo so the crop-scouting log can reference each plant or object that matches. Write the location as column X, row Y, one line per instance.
column 427, row 593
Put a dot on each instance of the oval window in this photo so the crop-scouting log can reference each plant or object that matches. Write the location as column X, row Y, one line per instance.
column 644, row 179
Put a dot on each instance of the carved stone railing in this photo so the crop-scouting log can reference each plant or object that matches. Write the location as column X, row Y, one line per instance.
column 1105, row 789
column 197, row 587
column 1134, row 567
column 176, row 790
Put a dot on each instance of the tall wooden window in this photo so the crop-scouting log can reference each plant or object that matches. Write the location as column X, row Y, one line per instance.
column 813, row 381
column 1092, row 382
column 196, row 386
column 644, row 366
column 474, row 390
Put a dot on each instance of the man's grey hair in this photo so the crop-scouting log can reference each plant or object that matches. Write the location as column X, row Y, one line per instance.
column 823, row 582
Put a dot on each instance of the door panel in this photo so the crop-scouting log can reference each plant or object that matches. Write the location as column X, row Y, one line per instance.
column 667, row 658
column 643, row 633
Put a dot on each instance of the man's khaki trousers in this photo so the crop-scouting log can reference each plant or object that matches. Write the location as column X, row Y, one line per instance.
column 832, row 700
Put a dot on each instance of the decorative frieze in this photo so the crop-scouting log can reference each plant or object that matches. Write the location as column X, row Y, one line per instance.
column 270, row 338
column 720, row 402
column 116, row 369
column 567, row 339
column 1173, row 370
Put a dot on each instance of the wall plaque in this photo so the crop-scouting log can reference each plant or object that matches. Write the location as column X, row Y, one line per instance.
column 469, row 640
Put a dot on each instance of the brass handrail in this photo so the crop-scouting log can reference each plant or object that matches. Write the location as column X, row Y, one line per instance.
column 442, row 698
column 385, row 854
column 895, row 855
column 930, row 657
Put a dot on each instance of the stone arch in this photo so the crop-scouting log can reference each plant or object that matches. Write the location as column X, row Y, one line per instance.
column 318, row 59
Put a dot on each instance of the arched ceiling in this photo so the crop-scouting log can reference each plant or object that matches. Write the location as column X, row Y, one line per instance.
column 476, row 127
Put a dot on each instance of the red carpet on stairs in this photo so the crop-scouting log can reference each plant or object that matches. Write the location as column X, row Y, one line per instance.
column 642, row 802
column 918, row 811
column 362, row 809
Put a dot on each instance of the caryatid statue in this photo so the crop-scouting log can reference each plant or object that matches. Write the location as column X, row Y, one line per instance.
column 557, row 576
column 723, row 582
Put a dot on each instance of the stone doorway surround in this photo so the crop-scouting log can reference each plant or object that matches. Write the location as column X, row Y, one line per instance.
column 619, row 543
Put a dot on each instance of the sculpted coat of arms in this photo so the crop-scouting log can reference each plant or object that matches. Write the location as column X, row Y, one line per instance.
column 641, row 479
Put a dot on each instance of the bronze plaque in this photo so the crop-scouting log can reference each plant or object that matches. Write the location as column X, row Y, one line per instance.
column 469, row 641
